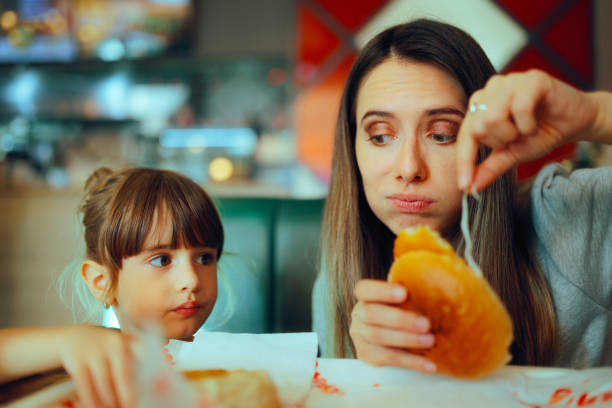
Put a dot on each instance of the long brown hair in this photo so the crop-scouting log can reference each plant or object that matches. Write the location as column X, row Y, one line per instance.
column 118, row 211
column 357, row 245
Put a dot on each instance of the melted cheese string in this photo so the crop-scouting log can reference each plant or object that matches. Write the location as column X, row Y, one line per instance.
column 465, row 230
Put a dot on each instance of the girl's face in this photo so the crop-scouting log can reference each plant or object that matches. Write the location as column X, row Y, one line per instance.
column 176, row 288
column 408, row 114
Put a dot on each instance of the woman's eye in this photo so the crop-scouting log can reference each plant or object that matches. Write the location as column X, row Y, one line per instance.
column 160, row 261
column 443, row 139
column 380, row 140
column 206, row 259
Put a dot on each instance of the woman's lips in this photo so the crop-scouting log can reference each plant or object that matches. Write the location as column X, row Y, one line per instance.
column 411, row 204
column 188, row 309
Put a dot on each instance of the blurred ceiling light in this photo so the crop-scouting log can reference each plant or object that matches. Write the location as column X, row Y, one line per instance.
column 22, row 91
column 220, row 169
column 111, row 49
column 111, row 95
column 9, row 20
column 156, row 101
column 240, row 141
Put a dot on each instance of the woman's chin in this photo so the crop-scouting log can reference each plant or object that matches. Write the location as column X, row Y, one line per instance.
column 412, row 222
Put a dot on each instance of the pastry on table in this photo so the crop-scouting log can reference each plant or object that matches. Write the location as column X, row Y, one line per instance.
column 235, row 388
column 471, row 326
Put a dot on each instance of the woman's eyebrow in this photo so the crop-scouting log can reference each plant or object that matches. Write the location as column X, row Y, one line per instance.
column 383, row 114
column 445, row 111
column 448, row 110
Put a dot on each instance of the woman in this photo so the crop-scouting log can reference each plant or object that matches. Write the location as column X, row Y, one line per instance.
column 405, row 147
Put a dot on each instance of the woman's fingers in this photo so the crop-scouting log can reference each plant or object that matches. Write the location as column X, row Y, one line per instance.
column 521, row 117
column 467, row 152
column 371, row 290
column 378, row 356
column 389, row 337
column 389, row 316
column 523, row 108
column 492, row 168
column 381, row 331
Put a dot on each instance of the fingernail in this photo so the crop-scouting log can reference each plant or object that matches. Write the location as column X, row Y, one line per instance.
column 426, row 340
column 398, row 293
column 421, row 323
column 429, row 366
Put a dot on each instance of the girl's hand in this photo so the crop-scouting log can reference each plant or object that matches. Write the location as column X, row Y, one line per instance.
column 100, row 361
column 381, row 331
column 521, row 116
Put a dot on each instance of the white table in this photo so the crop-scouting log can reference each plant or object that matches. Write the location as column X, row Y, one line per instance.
column 351, row 383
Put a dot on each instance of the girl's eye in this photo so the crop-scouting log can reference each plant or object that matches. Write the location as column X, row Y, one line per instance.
column 206, row 259
column 160, row 261
column 380, row 140
column 442, row 139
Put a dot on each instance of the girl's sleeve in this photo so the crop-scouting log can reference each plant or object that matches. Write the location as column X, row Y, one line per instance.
column 572, row 217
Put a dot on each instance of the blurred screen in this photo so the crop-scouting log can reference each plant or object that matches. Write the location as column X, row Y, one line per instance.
column 109, row 30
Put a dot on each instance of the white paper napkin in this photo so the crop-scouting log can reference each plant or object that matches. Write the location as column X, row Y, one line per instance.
column 362, row 386
column 289, row 358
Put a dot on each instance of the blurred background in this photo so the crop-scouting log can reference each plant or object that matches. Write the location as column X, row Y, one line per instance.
column 239, row 95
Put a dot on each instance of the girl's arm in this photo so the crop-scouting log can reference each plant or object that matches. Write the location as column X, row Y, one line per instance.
column 524, row 116
column 99, row 360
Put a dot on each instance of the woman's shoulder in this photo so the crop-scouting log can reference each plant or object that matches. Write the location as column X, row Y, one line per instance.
column 573, row 227
column 555, row 178
column 557, row 191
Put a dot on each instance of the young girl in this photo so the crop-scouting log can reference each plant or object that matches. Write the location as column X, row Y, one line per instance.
column 415, row 90
column 153, row 239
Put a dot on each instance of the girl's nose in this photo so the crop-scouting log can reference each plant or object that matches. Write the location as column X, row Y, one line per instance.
column 188, row 279
column 410, row 164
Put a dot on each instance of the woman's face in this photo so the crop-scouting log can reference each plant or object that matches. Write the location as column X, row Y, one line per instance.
column 174, row 288
column 408, row 114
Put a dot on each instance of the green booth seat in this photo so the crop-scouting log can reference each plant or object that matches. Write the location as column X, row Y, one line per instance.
column 269, row 264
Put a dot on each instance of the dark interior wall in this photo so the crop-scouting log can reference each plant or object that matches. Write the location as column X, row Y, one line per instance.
column 603, row 49
column 238, row 27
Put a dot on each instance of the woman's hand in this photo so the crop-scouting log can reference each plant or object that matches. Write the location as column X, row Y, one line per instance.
column 100, row 361
column 381, row 331
column 521, row 116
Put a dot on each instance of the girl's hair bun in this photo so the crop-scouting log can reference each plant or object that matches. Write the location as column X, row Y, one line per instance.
column 97, row 179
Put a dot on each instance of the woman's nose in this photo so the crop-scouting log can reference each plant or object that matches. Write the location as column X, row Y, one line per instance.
column 410, row 164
